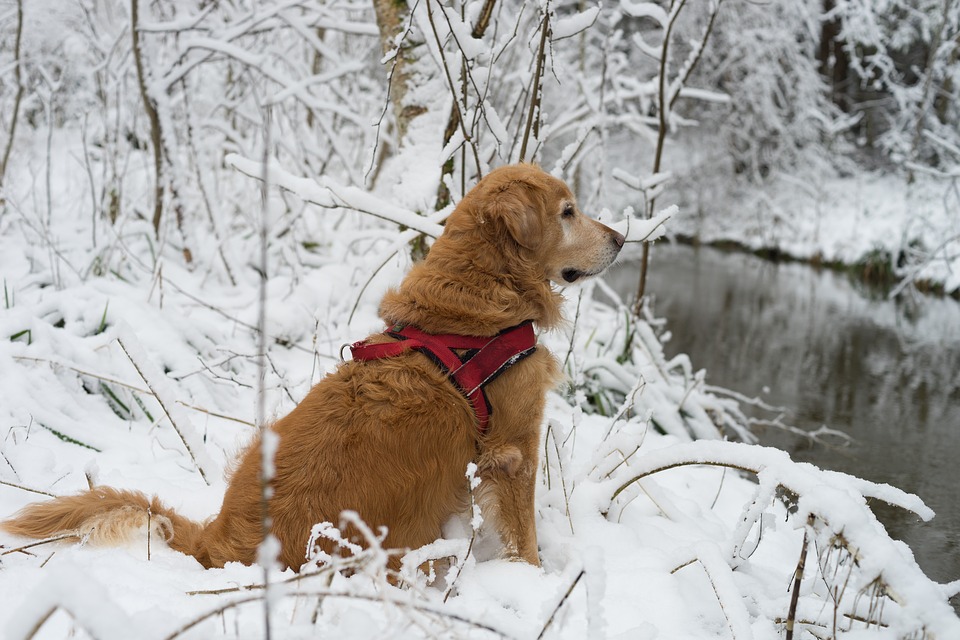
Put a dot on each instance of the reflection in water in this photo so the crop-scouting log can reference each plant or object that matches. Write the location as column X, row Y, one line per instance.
column 886, row 373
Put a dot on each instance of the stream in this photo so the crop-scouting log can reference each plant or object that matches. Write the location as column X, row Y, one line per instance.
column 832, row 352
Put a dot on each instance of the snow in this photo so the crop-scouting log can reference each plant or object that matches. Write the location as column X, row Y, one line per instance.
column 618, row 554
column 635, row 230
column 572, row 25
column 644, row 10
column 161, row 390
column 328, row 194
column 124, row 365
column 462, row 33
column 68, row 588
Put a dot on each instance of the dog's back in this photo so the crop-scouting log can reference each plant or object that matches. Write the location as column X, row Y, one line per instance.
column 388, row 439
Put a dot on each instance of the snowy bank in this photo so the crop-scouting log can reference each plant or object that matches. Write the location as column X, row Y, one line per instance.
column 879, row 220
column 650, row 523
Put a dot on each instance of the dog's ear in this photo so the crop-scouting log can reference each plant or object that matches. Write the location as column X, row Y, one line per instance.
column 515, row 207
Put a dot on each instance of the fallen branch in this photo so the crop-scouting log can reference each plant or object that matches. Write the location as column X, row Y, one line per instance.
column 37, row 543
column 23, row 488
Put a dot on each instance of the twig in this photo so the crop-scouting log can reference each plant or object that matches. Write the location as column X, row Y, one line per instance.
column 563, row 482
column 345, row 563
column 88, row 165
column 546, row 625
column 37, row 543
column 191, row 147
column 329, row 195
column 797, row 578
column 738, row 456
column 154, row 379
column 267, row 439
column 661, row 138
column 277, row 339
column 453, row 92
column 455, row 118
column 149, row 531
column 401, row 240
column 23, row 488
column 720, row 576
column 40, row 622
column 476, row 520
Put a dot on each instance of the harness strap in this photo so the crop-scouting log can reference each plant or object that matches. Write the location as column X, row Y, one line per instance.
column 485, row 357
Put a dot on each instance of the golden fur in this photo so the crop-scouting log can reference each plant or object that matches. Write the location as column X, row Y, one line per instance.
column 391, row 439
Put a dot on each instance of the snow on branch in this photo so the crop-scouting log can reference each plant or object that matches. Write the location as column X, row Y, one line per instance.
column 799, row 478
column 645, row 230
column 835, row 504
column 577, row 23
column 328, row 194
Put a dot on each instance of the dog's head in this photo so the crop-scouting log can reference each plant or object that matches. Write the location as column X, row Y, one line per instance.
column 525, row 209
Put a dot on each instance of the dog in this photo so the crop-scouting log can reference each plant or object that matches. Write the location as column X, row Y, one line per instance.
column 390, row 436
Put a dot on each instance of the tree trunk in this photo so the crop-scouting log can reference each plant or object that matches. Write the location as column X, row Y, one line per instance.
column 19, row 94
column 392, row 18
column 834, row 61
column 156, row 137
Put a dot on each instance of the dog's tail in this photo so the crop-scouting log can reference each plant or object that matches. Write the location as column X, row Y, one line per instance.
column 105, row 516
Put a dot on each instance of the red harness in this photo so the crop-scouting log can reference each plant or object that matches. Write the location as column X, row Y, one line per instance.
column 485, row 357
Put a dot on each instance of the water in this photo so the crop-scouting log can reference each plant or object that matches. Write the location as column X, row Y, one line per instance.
column 835, row 353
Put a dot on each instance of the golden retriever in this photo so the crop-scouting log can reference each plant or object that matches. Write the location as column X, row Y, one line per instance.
column 391, row 438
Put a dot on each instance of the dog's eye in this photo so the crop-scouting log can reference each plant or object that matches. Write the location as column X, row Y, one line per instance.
column 568, row 211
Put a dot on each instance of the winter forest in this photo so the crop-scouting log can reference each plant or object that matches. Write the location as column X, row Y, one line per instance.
column 202, row 201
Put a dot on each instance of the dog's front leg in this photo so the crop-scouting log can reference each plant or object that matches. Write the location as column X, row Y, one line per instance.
column 506, row 493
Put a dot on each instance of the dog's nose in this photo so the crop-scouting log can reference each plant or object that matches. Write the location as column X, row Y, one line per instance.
column 618, row 239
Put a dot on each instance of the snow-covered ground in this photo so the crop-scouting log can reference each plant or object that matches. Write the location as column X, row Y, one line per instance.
column 650, row 524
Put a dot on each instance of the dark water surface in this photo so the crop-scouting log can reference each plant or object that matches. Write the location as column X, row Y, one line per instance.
column 834, row 353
